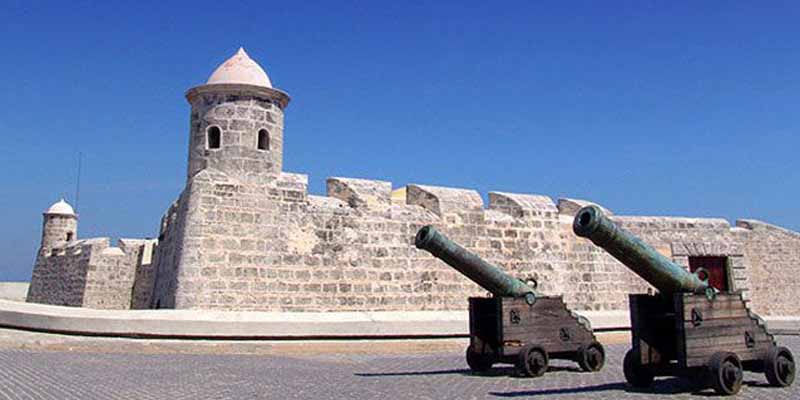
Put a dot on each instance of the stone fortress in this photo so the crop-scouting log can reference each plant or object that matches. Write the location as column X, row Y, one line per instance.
column 245, row 235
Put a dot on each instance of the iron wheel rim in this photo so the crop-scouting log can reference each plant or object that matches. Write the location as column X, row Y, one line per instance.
column 784, row 366
column 730, row 376
column 594, row 358
column 536, row 362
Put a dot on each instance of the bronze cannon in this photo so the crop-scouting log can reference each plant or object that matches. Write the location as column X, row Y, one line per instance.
column 473, row 267
column 517, row 325
column 689, row 328
column 637, row 255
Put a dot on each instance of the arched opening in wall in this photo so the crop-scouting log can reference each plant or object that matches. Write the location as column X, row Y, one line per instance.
column 214, row 139
column 263, row 140
column 69, row 236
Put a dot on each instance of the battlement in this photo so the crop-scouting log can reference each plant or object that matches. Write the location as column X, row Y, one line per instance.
column 760, row 226
column 570, row 207
column 100, row 246
column 443, row 200
column 671, row 223
column 523, row 205
column 262, row 242
column 359, row 193
column 378, row 195
column 90, row 272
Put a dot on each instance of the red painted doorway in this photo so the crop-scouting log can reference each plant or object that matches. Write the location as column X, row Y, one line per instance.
column 717, row 268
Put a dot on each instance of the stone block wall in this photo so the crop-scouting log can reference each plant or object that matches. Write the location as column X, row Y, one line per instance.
column 772, row 264
column 264, row 243
column 59, row 275
column 158, row 291
column 89, row 273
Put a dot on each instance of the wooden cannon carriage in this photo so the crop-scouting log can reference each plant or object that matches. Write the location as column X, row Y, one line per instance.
column 516, row 326
column 689, row 328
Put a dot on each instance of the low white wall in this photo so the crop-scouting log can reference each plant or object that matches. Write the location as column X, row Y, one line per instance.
column 15, row 291
column 250, row 325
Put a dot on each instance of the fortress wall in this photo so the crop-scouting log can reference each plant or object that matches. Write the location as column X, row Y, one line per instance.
column 764, row 260
column 159, row 291
column 773, row 256
column 592, row 280
column 145, row 274
column 88, row 273
column 264, row 243
column 111, row 272
column 271, row 246
column 59, row 277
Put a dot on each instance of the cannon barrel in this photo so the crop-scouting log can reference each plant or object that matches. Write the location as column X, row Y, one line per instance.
column 473, row 267
column 637, row 255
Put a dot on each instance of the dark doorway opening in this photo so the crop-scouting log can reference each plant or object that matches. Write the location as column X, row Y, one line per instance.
column 717, row 267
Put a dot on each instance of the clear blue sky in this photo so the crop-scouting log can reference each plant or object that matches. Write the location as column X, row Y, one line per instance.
column 651, row 108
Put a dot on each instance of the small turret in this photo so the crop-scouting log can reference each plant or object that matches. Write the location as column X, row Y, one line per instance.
column 237, row 121
column 59, row 227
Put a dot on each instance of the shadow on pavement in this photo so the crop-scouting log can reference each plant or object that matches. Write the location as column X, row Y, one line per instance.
column 415, row 373
column 664, row 386
column 501, row 371
column 756, row 384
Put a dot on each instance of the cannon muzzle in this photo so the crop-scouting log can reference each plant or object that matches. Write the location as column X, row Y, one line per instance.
column 473, row 267
column 637, row 255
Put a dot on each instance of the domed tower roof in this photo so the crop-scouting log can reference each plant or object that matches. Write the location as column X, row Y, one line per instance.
column 60, row 207
column 240, row 69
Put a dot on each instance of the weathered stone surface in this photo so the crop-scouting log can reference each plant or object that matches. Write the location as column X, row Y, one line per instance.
column 353, row 251
column 570, row 207
column 91, row 273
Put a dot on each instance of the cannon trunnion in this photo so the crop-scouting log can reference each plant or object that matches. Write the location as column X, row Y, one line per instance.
column 688, row 329
column 517, row 325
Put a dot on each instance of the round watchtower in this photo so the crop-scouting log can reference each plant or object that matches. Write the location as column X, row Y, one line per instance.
column 237, row 121
column 60, row 226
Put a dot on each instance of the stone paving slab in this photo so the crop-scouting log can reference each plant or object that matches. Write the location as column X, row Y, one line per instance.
column 439, row 374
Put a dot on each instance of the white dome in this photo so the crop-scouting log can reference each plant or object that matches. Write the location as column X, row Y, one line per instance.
column 240, row 69
column 60, row 207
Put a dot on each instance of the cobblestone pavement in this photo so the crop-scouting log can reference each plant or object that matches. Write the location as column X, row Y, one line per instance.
column 64, row 374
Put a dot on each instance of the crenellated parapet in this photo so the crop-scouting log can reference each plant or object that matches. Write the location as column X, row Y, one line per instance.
column 569, row 207
column 672, row 223
column 755, row 225
column 770, row 261
column 90, row 273
column 361, row 193
column 443, row 200
column 523, row 205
